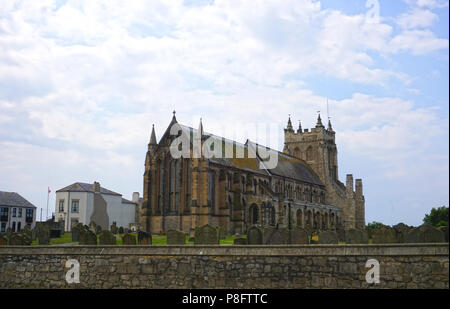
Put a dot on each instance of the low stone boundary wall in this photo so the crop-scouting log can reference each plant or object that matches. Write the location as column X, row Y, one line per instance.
column 282, row 266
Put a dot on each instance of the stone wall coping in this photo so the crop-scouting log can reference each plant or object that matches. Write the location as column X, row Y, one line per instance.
column 438, row 249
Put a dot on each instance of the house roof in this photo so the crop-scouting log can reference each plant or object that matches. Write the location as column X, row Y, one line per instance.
column 86, row 187
column 287, row 165
column 13, row 199
column 125, row 201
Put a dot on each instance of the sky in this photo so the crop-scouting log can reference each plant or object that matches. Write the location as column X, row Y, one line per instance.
column 82, row 82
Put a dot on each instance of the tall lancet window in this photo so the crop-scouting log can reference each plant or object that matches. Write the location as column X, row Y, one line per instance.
column 178, row 182
column 188, row 185
column 211, row 189
column 161, row 185
column 172, row 185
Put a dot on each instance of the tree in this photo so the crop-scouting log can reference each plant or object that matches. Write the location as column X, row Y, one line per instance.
column 437, row 217
column 373, row 225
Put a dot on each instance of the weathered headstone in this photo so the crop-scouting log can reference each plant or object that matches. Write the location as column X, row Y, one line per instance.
column 328, row 237
column 299, row 236
column 17, row 240
column 9, row 233
column 3, row 240
column 76, row 231
column 240, row 241
column 445, row 231
column 144, row 238
column 383, row 235
column 273, row 236
column 222, row 232
column 128, row 239
column 26, row 238
column 87, row 237
column 34, row 234
column 43, row 234
column 121, row 230
column 93, row 227
column 206, row 235
column 107, row 238
column 254, row 236
column 98, row 229
column 425, row 234
column 340, row 234
column 175, row 237
column 401, row 231
column 114, row 229
column 354, row 236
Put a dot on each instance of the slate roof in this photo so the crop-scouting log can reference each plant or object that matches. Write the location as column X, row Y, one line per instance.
column 86, row 187
column 288, row 166
column 13, row 199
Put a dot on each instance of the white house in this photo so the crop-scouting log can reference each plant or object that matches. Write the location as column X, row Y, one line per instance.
column 15, row 212
column 84, row 202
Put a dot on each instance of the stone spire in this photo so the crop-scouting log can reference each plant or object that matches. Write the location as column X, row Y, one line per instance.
column 319, row 122
column 153, row 136
column 200, row 127
column 289, row 125
column 299, row 130
column 330, row 128
column 174, row 119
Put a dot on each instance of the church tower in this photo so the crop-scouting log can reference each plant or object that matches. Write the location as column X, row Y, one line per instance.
column 318, row 148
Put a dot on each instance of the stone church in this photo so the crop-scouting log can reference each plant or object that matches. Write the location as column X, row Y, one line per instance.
column 235, row 192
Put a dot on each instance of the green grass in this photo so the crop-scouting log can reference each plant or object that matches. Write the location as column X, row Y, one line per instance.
column 64, row 239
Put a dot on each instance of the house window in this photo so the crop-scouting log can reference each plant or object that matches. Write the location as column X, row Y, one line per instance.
column 61, row 205
column 4, row 213
column 29, row 215
column 3, row 228
column 14, row 212
column 75, row 206
column 20, row 213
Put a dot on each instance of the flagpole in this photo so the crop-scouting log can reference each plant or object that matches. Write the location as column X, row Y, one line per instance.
column 46, row 213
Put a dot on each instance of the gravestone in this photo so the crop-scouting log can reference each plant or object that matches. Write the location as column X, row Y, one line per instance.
column 128, row 239
column 254, row 236
column 354, row 236
column 3, row 240
column 144, row 238
column 98, row 229
column 175, row 237
column 26, row 238
column 121, row 230
column 76, row 230
column 222, row 232
column 273, row 236
column 43, row 235
column 87, row 237
column 27, row 230
column 425, row 234
column 445, row 231
column 401, row 231
column 17, row 240
column 114, row 229
column 93, row 227
column 299, row 236
column 340, row 234
column 107, row 238
column 383, row 235
column 34, row 234
column 9, row 233
column 206, row 235
column 240, row 241
column 328, row 237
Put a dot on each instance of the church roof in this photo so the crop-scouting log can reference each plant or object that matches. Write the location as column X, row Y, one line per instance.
column 13, row 199
column 287, row 165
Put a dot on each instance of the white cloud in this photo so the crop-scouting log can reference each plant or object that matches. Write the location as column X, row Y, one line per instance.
column 417, row 18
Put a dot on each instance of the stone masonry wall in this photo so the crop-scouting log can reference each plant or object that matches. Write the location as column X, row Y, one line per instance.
column 310, row 266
